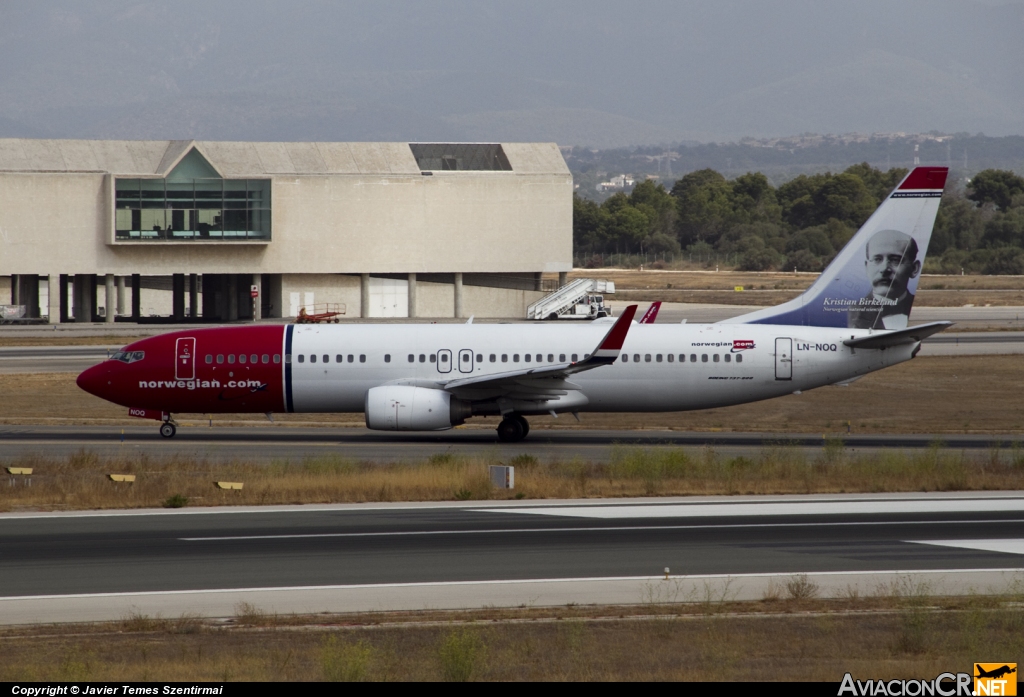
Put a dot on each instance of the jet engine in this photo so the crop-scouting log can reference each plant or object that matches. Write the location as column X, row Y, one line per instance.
column 405, row 408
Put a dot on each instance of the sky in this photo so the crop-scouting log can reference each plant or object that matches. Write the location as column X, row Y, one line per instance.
column 595, row 73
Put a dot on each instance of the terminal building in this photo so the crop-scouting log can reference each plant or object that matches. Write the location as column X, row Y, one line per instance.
column 97, row 230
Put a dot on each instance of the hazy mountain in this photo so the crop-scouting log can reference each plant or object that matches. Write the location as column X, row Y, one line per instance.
column 601, row 73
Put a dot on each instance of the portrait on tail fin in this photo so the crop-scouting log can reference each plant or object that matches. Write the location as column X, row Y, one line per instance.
column 891, row 262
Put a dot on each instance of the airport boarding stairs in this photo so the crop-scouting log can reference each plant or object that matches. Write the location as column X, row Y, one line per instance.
column 563, row 301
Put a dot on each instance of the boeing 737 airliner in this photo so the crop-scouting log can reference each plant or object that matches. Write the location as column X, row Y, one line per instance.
column 431, row 377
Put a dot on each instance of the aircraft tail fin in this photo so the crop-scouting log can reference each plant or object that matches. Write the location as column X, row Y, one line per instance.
column 872, row 281
column 652, row 313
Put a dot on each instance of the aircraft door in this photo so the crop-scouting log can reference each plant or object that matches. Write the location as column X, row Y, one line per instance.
column 444, row 361
column 465, row 361
column 783, row 359
column 185, row 359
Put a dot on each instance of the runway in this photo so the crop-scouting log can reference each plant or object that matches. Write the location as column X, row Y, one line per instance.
column 391, row 556
column 266, row 443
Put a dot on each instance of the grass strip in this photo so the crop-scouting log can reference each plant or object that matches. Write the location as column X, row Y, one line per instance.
column 897, row 632
column 81, row 480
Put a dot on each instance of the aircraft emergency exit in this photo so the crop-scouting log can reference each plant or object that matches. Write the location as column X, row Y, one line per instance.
column 431, row 377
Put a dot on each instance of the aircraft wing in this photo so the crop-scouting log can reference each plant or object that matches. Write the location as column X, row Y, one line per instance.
column 548, row 380
column 909, row 335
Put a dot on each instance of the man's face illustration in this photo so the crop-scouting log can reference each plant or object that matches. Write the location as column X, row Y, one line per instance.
column 891, row 263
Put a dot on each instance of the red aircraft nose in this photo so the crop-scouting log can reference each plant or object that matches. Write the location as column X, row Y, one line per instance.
column 95, row 380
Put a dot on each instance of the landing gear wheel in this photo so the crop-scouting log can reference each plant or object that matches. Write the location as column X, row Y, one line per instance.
column 524, row 423
column 167, row 429
column 511, row 429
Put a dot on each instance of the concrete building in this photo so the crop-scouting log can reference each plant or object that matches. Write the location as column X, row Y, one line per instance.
column 373, row 229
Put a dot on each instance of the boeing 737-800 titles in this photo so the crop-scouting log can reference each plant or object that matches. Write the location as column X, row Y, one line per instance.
column 431, row 377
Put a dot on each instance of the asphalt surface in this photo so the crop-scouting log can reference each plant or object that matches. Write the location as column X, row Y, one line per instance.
column 276, row 443
column 354, row 545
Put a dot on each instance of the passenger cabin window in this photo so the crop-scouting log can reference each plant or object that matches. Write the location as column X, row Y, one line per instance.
column 387, row 357
column 515, row 357
column 254, row 358
column 526, row 358
column 423, row 358
column 433, row 357
column 704, row 358
column 312, row 358
column 561, row 358
column 671, row 357
column 339, row 358
column 209, row 359
column 412, row 358
column 479, row 358
column 362, row 358
column 636, row 357
column 444, row 357
column 575, row 357
column 327, row 359
column 288, row 358
column 241, row 358
column 302, row 358
column 728, row 358
column 220, row 358
column 231, row 358
column 492, row 358
column 351, row 358
column 693, row 358
column 504, row 358
column 658, row 358
column 277, row 358
column 739, row 358
column 647, row 358
column 715, row 357
column 266, row 359
column 540, row 358
column 625, row 358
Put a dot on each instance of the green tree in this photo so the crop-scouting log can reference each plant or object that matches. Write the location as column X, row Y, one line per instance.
column 704, row 204
column 996, row 186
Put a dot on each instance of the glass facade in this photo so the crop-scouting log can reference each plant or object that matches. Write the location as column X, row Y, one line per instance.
column 454, row 157
column 192, row 209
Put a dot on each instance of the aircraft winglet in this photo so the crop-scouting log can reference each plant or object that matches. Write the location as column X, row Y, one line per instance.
column 608, row 350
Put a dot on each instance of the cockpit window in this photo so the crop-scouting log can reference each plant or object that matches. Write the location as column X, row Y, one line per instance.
column 128, row 356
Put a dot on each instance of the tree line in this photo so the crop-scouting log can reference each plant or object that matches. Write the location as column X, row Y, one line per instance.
column 802, row 223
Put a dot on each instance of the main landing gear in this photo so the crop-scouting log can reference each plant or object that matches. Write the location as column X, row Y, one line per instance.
column 168, row 429
column 513, row 428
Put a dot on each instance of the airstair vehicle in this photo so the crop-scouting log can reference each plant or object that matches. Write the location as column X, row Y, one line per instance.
column 582, row 298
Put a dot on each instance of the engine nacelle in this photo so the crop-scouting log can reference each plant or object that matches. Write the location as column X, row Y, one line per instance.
column 405, row 408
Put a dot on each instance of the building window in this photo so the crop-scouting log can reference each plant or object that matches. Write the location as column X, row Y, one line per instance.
column 187, row 210
column 445, row 157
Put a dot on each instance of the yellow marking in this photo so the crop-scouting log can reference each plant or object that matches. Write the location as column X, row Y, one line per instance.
column 230, row 485
column 738, row 289
column 122, row 477
column 19, row 470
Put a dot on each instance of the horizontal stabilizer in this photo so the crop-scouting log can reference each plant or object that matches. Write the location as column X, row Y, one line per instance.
column 909, row 335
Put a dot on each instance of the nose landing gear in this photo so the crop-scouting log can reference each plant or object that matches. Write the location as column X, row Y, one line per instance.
column 513, row 428
column 168, row 429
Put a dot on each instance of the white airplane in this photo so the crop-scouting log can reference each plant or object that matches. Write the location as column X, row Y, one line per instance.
column 431, row 377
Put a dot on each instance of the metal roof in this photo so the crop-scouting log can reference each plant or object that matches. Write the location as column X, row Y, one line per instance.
column 147, row 158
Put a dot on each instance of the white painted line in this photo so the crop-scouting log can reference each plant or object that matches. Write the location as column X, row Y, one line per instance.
column 514, row 581
column 1011, row 546
column 611, row 528
column 729, row 503
column 774, row 509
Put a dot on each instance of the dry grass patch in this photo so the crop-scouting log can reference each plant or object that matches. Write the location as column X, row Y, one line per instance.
column 882, row 636
column 81, row 482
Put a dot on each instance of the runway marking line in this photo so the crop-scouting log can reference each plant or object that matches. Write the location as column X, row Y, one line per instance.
column 1003, row 546
column 554, row 508
column 498, row 582
column 627, row 528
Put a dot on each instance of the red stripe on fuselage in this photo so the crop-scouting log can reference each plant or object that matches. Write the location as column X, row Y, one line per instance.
column 151, row 383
